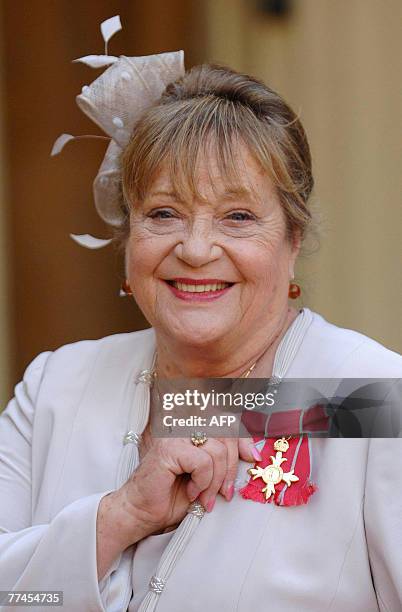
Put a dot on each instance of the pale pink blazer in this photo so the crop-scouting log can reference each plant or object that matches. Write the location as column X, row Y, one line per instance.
column 61, row 451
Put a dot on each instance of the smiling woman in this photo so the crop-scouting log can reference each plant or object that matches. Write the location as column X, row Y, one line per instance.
column 235, row 249
column 208, row 178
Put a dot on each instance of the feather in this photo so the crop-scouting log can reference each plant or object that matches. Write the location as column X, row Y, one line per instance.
column 110, row 27
column 90, row 242
column 97, row 61
column 60, row 143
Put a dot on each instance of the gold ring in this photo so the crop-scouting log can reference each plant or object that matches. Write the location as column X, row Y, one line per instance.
column 198, row 438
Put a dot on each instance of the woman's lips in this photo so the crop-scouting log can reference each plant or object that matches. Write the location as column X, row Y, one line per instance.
column 199, row 290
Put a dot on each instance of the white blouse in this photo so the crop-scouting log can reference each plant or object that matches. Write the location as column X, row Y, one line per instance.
column 64, row 445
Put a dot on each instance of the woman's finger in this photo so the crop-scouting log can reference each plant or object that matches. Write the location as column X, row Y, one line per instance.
column 200, row 466
column 232, row 446
column 248, row 451
column 218, row 453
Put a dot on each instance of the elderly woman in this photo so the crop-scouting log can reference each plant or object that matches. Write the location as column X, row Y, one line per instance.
column 216, row 180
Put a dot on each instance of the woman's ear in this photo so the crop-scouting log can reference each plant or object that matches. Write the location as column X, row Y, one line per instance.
column 295, row 244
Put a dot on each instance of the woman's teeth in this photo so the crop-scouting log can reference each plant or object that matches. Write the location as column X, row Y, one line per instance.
column 200, row 288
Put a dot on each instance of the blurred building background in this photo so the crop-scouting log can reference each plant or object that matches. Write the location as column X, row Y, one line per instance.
column 338, row 63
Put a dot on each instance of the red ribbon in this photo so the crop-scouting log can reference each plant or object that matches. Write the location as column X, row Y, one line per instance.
column 295, row 423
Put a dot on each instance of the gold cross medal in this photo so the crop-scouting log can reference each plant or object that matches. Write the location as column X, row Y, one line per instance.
column 273, row 474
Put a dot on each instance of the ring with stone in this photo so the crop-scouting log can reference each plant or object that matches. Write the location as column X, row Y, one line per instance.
column 198, row 438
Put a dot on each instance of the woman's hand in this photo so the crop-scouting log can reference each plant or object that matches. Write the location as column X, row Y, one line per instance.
column 172, row 473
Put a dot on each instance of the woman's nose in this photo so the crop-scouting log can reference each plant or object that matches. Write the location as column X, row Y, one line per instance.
column 198, row 248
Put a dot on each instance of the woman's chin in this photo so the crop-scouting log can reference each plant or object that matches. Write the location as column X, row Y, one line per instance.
column 197, row 335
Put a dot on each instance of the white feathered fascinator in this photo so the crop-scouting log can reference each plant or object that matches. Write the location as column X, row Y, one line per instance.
column 115, row 101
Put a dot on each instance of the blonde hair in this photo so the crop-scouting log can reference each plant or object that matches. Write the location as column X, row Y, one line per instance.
column 216, row 106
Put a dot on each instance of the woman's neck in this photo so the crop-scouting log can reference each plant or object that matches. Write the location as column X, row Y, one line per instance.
column 230, row 361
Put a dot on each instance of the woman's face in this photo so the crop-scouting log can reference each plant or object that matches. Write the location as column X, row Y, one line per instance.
column 211, row 270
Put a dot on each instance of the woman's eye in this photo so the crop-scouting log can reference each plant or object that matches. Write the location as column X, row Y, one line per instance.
column 161, row 213
column 239, row 215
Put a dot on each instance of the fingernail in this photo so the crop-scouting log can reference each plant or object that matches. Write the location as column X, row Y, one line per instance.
column 256, row 454
column 230, row 492
column 210, row 504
